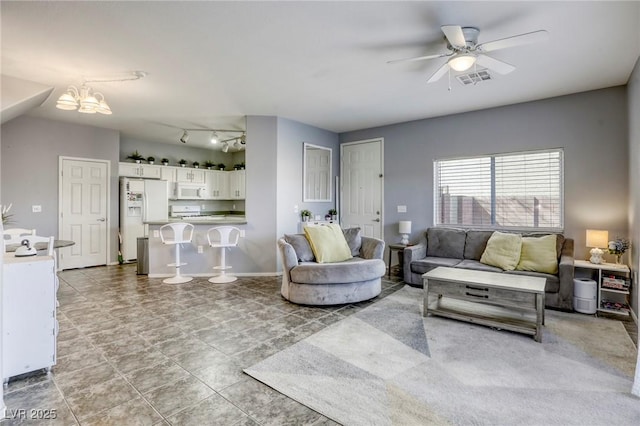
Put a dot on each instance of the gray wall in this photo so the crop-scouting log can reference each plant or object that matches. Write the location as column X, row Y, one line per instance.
column 175, row 152
column 291, row 136
column 590, row 126
column 30, row 153
column 633, row 95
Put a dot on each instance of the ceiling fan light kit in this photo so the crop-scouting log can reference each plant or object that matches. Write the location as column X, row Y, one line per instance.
column 462, row 61
column 465, row 52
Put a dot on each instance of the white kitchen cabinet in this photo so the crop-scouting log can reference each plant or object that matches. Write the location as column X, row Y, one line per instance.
column 187, row 175
column 237, row 185
column 29, row 326
column 168, row 173
column 146, row 171
column 217, row 183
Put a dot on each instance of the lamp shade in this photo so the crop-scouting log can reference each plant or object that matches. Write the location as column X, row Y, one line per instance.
column 404, row 227
column 597, row 238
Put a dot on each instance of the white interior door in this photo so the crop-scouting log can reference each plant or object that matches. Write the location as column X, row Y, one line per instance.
column 362, row 186
column 84, row 204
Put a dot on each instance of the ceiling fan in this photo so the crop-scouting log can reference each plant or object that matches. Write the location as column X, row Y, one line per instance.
column 464, row 50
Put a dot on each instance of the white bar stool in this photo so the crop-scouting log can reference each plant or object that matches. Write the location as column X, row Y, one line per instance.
column 176, row 233
column 223, row 237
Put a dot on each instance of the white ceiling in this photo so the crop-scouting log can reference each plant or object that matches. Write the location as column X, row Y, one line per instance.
column 210, row 64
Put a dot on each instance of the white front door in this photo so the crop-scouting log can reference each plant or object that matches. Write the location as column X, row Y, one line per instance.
column 84, row 203
column 362, row 186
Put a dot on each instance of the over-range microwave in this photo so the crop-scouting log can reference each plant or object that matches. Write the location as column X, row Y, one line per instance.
column 189, row 191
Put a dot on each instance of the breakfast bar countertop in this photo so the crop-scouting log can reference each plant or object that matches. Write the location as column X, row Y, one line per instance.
column 205, row 220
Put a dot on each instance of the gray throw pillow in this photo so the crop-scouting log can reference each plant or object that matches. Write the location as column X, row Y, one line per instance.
column 301, row 245
column 354, row 240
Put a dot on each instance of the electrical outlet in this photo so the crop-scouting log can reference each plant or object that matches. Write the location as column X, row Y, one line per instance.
column 203, row 207
column 402, row 209
column 295, row 208
column 200, row 249
column 242, row 233
column 234, row 207
column 36, row 209
column 156, row 233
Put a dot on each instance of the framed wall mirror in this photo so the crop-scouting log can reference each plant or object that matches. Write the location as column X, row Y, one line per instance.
column 316, row 173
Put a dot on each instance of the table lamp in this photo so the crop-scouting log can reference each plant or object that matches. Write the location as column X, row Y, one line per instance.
column 404, row 229
column 598, row 240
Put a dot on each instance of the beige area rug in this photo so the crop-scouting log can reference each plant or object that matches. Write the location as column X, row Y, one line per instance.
column 387, row 365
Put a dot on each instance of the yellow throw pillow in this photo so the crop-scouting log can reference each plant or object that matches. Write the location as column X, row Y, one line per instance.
column 328, row 243
column 503, row 250
column 539, row 255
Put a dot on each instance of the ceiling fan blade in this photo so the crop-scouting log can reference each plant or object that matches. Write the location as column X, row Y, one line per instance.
column 517, row 40
column 419, row 58
column 439, row 73
column 494, row 64
column 455, row 35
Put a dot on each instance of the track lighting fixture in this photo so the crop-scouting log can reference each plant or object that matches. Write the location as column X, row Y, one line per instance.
column 214, row 138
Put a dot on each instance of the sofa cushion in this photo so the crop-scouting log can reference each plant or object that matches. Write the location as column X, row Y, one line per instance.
column 446, row 242
column 539, row 254
column 328, row 243
column 422, row 266
column 353, row 270
column 551, row 286
column 354, row 240
column 475, row 244
column 477, row 265
column 302, row 247
column 503, row 250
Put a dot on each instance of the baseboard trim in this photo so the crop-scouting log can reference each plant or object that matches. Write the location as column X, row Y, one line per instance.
column 208, row 275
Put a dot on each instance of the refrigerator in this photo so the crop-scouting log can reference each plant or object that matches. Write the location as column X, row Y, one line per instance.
column 141, row 201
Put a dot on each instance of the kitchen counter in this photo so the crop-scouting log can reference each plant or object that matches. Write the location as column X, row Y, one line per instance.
column 218, row 220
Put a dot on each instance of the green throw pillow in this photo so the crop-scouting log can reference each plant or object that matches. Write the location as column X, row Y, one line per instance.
column 328, row 243
column 503, row 250
column 539, row 255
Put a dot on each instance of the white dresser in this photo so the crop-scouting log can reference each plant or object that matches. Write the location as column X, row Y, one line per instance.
column 29, row 325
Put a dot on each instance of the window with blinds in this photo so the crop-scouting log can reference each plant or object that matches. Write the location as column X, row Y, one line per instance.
column 517, row 190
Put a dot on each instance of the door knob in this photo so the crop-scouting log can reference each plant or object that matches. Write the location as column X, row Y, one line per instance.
column 376, row 220
column 102, row 219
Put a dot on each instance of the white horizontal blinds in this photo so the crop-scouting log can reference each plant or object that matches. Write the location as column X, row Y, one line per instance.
column 463, row 191
column 529, row 190
column 518, row 190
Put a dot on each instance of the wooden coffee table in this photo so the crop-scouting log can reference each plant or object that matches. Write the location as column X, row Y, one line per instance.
column 506, row 301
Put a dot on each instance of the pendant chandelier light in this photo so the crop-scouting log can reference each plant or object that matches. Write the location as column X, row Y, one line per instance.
column 86, row 101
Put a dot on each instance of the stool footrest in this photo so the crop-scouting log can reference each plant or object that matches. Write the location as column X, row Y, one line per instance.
column 221, row 268
column 177, row 265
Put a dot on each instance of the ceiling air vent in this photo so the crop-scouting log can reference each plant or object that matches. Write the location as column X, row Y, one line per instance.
column 474, row 77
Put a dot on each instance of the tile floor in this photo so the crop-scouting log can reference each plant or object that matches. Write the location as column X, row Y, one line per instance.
column 132, row 350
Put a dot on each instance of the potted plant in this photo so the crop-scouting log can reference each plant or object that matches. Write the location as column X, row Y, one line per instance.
column 239, row 166
column 135, row 156
column 165, row 161
column 306, row 215
column 209, row 165
column 196, row 164
column 151, row 160
column 221, row 166
column 182, row 162
column 334, row 214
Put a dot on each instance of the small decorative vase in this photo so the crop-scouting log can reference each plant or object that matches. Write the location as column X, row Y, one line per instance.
column 183, row 165
column 138, row 161
column 618, row 259
column 165, row 164
column 151, row 162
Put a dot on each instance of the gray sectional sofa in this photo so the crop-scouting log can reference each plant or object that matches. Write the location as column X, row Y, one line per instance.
column 306, row 282
column 460, row 248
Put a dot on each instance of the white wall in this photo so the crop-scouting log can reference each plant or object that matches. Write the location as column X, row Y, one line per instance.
column 633, row 95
